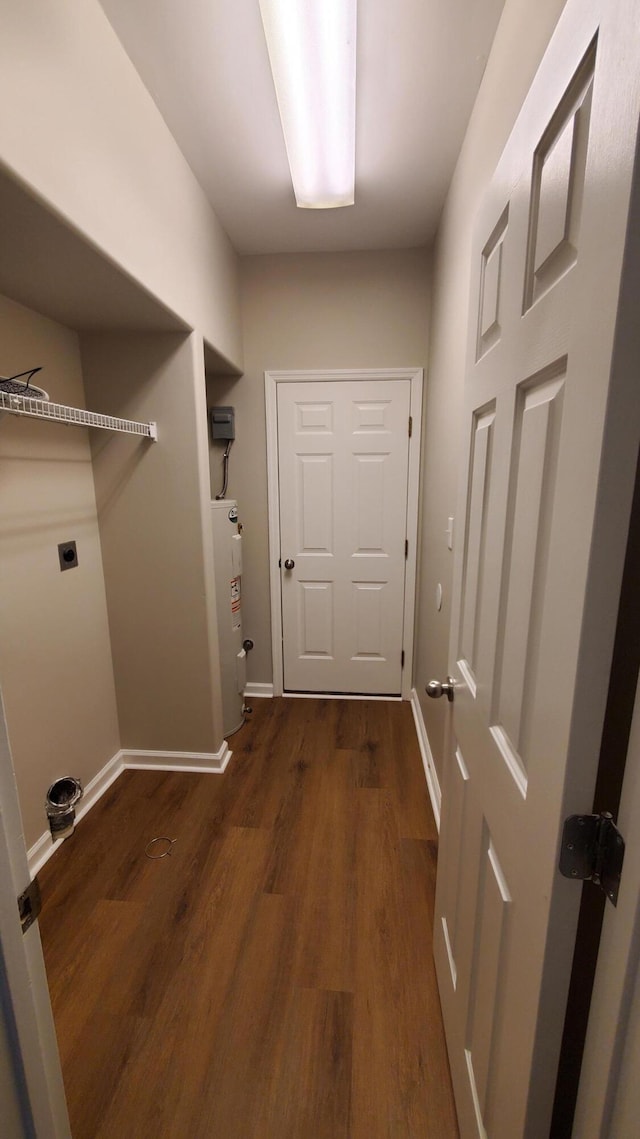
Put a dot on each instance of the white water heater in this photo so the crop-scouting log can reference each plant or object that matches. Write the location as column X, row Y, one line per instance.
column 227, row 557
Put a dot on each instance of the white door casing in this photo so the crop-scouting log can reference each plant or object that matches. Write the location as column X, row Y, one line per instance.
column 609, row 1095
column 552, row 430
column 26, row 1007
column 343, row 476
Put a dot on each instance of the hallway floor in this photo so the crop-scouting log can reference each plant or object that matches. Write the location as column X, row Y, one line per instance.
column 273, row 977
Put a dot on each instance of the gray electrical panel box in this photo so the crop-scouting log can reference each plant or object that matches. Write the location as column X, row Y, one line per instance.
column 222, row 420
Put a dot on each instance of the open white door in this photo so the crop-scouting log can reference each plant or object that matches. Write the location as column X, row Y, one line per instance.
column 552, row 429
column 30, row 1065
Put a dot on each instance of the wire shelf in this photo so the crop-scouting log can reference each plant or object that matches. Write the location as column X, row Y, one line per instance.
column 73, row 416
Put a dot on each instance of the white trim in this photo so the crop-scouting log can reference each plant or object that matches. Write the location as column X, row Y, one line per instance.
column 271, row 381
column 411, row 564
column 42, row 850
column 273, row 507
column 433, row 783
column 257, row 691
column 25, row 1010
column 200, row 762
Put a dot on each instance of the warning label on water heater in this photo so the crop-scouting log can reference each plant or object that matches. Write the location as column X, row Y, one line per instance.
column 235, row 602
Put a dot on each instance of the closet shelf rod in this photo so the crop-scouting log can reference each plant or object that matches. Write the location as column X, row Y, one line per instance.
column 58, row 413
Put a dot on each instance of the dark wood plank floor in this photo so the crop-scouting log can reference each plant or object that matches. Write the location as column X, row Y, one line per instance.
column 273, row 977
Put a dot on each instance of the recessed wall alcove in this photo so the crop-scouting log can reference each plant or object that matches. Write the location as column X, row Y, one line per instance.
column 118, row 659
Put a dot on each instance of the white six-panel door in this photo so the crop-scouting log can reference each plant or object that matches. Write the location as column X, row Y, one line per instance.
column 551, row 436
column 343, row 451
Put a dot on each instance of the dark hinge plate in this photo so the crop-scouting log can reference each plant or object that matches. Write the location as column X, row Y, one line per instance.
column 410, row 426
column 29, row 905
column 402, row 659
column 406, row 547
column 593, row 851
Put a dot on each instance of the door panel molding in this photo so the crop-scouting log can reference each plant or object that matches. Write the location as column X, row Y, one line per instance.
column 369, row 422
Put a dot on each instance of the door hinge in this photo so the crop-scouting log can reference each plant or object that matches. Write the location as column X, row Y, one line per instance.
column 410, row 426
column 406, row 547
column 402, row 659
column 593, row 851
column 29, row 905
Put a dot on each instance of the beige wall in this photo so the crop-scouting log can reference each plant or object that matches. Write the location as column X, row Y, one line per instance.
column 153, row 511
column 83, row 133
column 125, row 185
column 55, row 657
column 521, row 39
column 350, row 310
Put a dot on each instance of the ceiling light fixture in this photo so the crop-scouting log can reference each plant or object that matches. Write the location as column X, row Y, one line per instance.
column 312, row 51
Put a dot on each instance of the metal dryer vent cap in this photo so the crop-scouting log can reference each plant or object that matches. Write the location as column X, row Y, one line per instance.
column 63, row 795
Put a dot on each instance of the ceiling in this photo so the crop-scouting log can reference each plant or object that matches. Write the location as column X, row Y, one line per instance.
column 419, row 65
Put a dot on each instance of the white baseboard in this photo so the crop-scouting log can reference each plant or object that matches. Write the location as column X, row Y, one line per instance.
column 200, row 762
column 433, row 784
column 257, row 691
column 194, row 761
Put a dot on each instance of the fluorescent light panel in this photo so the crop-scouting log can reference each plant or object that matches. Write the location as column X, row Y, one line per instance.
column 312, row 51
